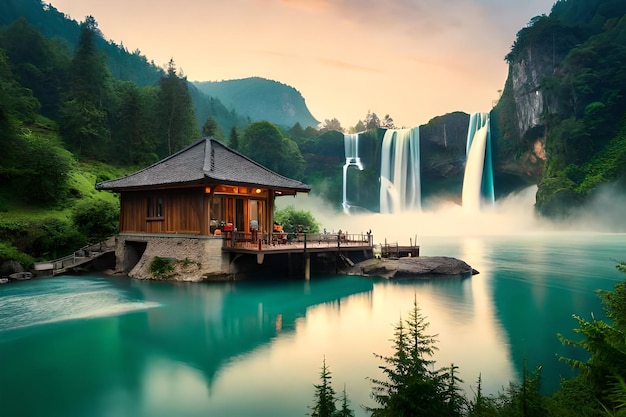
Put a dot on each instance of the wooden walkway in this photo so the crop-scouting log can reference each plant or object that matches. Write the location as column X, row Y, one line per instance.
column 296, row 242
column 78, row 259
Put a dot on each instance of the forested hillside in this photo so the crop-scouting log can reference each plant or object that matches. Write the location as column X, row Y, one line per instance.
column 262, row 99
column 67, row 121
column 123, row 65
column 562, row 116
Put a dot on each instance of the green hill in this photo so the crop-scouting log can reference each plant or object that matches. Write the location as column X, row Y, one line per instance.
column 262, row 99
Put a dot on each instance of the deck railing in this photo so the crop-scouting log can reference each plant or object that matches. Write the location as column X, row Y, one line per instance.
column 267, row 241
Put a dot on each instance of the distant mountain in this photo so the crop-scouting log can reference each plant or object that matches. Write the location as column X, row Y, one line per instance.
column 261, row 99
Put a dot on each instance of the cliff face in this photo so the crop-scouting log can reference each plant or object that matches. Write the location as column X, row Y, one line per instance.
column 561, row 121
column 526, row 74
column 520, row 131
column 519, row 122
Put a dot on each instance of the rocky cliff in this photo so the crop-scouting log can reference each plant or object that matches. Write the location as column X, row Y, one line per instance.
column 559, row 122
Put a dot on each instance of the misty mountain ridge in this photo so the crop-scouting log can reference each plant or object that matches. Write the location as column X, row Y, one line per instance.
column 261, row 99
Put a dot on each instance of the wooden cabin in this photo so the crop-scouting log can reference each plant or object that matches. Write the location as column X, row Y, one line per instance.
column 204, row 189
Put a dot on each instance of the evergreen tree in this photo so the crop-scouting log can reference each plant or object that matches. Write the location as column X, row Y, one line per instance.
column 325, row 398
column 345, row 410
column 481, row 406
column 598, row 385
column 177, row 121
column 84, row 112
column 411, row 386
column 233, row 138
column 132, row 126
column 453, row 394
column 211, row 128
column 38, row 63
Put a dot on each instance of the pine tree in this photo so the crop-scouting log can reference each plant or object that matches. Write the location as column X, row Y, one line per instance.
column 602, row 374
column 84, row 109
column 411, row 387
column 453, row 395
column 481, row 406
column 212, row 128
column 523, row 400
column 325, row 398
column 234, row 138
column 177, row 121
column 345, row 410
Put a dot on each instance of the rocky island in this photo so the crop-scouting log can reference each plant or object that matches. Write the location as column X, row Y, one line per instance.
column 420, row 267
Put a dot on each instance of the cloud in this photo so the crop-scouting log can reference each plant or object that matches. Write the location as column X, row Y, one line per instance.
column 347, row 65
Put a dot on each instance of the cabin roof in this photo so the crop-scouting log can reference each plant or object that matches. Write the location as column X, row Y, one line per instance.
column 206, row 161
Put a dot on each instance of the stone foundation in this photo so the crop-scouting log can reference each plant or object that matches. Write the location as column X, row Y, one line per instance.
column 194, row 258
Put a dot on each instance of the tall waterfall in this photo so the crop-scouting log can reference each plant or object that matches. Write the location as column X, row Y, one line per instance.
column 478, row 179
column 400, row 187
column 351, row 150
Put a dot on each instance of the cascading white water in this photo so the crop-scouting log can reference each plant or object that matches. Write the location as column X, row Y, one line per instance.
column 400, row 186
column 478, row 178
column 351, row 150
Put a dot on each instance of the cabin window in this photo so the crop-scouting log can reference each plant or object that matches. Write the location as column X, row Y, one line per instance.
column 256, row 214
column 217, row 209
column 155, row 208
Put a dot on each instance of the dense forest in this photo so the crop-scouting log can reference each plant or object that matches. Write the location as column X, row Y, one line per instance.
column 570, row 66
column 76, row 113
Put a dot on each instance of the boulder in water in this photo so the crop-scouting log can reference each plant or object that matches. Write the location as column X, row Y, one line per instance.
column 422, row 267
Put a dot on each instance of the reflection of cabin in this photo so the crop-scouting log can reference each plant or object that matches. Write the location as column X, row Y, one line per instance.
column 197, row 193
column 202, row 188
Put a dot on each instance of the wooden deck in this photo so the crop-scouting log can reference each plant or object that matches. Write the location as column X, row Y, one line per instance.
column 296, row 242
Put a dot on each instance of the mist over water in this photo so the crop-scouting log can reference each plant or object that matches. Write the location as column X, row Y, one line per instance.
column 512, row 215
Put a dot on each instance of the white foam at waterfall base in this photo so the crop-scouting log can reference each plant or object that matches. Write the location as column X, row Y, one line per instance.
column 511, row 215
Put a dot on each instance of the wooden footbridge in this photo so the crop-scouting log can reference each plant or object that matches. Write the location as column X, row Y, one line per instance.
column 78, row 261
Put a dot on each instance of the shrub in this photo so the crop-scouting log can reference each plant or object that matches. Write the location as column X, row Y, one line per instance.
column 161, row 268
column 10, row 253
column 96, row 219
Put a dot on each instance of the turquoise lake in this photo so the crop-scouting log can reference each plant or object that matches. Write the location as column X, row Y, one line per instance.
column 101, row 346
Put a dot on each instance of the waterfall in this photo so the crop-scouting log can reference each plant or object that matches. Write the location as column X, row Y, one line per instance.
column 478, row 179
column 400, row 187
column 351, row 150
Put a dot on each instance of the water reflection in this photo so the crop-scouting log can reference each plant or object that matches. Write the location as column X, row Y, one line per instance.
column 255, row 348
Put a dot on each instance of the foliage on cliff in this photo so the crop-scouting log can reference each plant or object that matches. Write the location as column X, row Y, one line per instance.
column 578, row 52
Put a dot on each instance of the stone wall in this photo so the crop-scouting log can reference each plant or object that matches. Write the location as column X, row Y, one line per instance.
column 194, row 259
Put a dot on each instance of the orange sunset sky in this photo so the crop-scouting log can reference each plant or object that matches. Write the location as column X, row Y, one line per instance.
column 411, row 59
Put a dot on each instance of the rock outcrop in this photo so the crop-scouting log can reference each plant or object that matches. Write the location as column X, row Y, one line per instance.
column 422, row 267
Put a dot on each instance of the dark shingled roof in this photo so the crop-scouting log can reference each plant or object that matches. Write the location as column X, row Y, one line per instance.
column 206, row 161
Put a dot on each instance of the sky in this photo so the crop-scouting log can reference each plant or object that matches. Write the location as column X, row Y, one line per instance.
column 411, row 59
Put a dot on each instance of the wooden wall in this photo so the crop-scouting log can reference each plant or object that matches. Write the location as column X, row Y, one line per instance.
column 182, row 211
column 185, row 211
